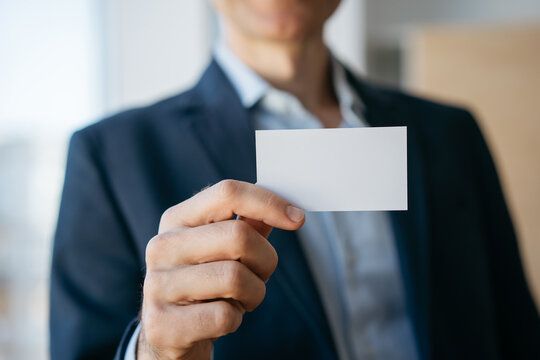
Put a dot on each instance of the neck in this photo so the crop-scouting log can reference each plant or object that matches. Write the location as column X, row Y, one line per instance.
column 301, row 68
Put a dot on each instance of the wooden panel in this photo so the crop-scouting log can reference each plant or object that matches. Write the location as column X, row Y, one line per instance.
column 495, row 71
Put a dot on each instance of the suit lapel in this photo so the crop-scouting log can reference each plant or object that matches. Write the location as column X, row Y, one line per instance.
column 225, row 130
column 410, row 227
column 296, row 280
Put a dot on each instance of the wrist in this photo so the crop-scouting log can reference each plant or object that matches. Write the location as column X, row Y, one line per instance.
column 143, row 349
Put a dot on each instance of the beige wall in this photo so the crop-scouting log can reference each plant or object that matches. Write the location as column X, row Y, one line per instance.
column 495, row 71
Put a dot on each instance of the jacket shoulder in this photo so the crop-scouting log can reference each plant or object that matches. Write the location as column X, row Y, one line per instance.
column 142, row 119
column 416, row 103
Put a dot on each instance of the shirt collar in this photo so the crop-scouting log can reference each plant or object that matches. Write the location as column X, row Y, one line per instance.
column 350, row 104
column 251, row 88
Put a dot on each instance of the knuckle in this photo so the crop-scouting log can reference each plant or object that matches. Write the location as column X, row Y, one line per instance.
column 149, row 286
column 274, row 259
column 259, row 295
column 227, row 189
column 153, row 330
column 226, row 317
column 232, row 276
column 153, row 251
column 240, row 233
column 163, row 248
column 168, row 214
column 271, row 200
column 152, row 285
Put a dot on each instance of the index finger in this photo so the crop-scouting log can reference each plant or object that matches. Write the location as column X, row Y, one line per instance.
column 231, row 197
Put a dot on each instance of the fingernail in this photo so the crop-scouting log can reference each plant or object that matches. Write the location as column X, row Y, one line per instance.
column 294, row 213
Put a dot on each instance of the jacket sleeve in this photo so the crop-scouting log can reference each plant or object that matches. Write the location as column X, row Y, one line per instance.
column 95, row 277
column 517, row 319
column 123, row 352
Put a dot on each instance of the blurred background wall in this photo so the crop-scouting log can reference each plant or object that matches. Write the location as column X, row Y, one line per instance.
column 66, row 63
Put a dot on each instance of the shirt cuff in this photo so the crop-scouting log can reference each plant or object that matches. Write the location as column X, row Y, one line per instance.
column 131, row 350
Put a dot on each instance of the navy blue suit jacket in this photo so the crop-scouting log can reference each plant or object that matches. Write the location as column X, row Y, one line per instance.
column 465, row 287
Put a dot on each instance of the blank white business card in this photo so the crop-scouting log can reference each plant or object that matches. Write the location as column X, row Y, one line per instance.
column 353, row 169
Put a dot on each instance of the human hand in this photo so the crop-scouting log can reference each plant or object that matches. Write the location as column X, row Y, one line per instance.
column 204, row 270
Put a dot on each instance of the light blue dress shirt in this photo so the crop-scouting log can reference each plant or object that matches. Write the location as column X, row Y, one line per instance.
column 352, row 255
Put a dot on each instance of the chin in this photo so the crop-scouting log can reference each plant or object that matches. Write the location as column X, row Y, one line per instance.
column 290, row 29
column 281, row 19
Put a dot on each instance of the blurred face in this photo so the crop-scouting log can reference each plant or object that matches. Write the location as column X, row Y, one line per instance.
column 276, row 19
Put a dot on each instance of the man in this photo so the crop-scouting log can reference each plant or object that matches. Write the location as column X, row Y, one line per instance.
column 442, row 280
